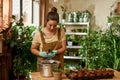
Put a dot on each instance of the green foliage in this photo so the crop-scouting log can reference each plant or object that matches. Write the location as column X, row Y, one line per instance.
column 88, row 14
column 78, row 15
column 63, row 8
column 102, row 49
column 69, row 37
column 113, row 19
column 57, row 69
column 19, row 40
column 64, row 12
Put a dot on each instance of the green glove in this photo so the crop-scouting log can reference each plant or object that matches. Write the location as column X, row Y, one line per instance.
column 43, row 54
column 52, row 53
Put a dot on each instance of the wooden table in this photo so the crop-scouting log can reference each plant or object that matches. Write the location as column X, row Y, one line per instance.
column 37, row 76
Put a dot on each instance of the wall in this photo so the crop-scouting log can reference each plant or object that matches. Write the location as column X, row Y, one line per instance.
column 100, row 9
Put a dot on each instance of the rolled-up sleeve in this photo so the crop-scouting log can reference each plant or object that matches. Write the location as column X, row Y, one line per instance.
column 36, row 38
column 63, row 36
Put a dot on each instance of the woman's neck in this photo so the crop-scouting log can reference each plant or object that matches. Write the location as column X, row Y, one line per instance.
column 48, row 33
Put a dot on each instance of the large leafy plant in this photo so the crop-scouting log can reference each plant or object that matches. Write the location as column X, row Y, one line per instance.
column 19, row 39
column 101, row 49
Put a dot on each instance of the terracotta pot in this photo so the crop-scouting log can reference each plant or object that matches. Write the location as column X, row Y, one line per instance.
column 57, row 75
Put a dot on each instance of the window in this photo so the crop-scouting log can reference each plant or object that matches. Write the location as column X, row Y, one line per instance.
column 28, row 9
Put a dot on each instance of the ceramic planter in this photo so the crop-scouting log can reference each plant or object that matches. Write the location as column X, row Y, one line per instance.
column 69, row 43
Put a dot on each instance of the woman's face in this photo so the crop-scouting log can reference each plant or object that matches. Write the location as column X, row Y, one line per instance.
column 51, row 25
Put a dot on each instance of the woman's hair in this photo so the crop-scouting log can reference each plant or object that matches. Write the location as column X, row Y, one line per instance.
column 53, row 15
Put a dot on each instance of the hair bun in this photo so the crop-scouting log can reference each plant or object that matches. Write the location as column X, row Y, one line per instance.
column 54, row 9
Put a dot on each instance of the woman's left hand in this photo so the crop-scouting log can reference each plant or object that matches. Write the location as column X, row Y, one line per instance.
column 52, row 53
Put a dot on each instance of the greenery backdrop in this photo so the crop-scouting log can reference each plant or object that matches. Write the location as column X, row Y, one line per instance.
column 102, row 49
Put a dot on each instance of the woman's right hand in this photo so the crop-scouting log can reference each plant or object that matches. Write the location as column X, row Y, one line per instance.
column 43, row 54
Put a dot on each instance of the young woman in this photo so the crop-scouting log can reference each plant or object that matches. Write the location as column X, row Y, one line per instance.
column 50, row 41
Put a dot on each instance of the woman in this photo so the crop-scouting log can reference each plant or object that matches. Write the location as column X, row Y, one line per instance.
column 50, row 41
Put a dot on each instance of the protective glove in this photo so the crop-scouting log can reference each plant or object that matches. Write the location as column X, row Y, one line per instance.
column 43, row 54
column 52, row 53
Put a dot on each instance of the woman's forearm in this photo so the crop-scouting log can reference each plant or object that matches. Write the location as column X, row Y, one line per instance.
column 35, row 52
column 63, row 49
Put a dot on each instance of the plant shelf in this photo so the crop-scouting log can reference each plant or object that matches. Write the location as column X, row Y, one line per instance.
column 72, row 57
column 74, row 46
column 75, row 33
column 76, row 23
column 84, row 31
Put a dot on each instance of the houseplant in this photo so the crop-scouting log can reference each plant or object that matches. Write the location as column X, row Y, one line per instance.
column 76, row 40
column 63, row 8
column 19, row 40
column 78, row 16
column 99, row 47
column 69, row 39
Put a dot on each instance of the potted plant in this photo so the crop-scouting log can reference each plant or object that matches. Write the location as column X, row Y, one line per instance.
column 63, row 14
column 18, row 38
column 78, row 15
column 76, row 40
column 70, row 40
column 86, row 16
column 71, row 16
column 57, row 73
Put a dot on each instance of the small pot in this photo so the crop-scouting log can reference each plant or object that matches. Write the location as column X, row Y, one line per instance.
column 70, row 43
column 57, row 75
column 46, row 67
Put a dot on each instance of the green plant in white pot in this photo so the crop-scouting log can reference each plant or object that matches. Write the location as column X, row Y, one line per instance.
column 70, row 40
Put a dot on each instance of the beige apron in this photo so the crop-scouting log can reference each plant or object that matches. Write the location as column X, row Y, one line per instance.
column 52, row 46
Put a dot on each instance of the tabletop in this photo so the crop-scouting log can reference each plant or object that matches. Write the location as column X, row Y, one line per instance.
column 37, row 76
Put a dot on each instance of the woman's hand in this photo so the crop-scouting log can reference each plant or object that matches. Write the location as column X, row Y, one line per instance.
column 52, row 53
column 49, row 55
column 43, row 54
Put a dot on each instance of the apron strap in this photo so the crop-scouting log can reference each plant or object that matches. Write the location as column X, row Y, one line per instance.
column 59, row 33
column 42, row 38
